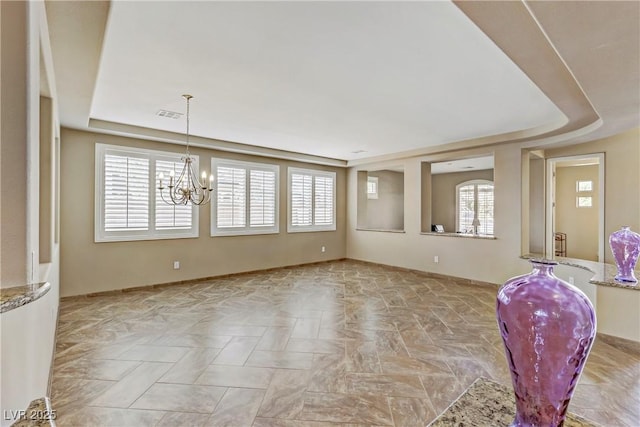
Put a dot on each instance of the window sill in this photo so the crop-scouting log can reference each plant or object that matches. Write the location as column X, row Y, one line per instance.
column 380, row 230
column 462, row 235
column 243, row 233
column 116, row 239
column 309, row 230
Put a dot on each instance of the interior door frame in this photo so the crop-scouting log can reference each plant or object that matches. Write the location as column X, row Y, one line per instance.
column 550, row 170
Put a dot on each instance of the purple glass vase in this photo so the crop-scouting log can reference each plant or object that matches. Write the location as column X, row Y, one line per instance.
column 625, row 245
column 548, row 327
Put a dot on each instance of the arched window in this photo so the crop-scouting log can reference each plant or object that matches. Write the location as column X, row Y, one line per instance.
column 474, row 200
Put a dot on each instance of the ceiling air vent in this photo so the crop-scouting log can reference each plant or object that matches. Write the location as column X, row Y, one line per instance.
column 169, row 114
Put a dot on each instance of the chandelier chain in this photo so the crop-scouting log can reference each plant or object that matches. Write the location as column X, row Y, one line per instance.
column 188, row 98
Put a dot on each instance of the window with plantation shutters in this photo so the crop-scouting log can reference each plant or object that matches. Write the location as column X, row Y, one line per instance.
column 301, row 196
column 126, row 193
column 312, row 199
column 323, row 209
column 231, row 197
column 170, row 216
column 128, row 205
column 474, row 199
column 245, row 198
column 262, row 197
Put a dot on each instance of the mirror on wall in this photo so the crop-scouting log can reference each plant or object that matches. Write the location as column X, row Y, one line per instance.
column 458, row 196
column 381, row 199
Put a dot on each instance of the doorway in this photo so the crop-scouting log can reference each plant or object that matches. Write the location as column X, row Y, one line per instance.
column 575, row 207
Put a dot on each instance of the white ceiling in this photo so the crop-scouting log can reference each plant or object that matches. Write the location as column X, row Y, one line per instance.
column 321, row 78
column 318, row 81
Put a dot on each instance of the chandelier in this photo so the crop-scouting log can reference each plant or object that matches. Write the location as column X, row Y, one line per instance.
column 188, row 188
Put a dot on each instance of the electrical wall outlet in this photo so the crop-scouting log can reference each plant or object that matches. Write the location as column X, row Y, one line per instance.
column 436, row 259
column 571, row 280
column 323, row 249
column 176, row 265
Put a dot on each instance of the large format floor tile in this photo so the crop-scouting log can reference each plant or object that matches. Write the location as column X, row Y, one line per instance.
column 335, row 344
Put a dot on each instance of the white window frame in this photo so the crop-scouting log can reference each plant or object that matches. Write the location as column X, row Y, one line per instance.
column 100, row 234
column 584, row 181
column 313, row 173
column 374, row 181
column 247, row 229
column 582, row 206
column 475, row 183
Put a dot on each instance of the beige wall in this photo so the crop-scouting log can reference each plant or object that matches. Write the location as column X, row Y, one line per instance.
column 443, row 195
column 387, row 211
column 16, row 128
column 28, row 220
column 491, row 260
column 536, row 206
column 622, row 179
column 88, row 267
column 481, row 259
column 579, row 224
column 616, row 308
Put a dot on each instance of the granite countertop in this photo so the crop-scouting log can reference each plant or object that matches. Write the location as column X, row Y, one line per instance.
column 603, row 274
column 486, row 403
column 38, row 414
column 11, row 298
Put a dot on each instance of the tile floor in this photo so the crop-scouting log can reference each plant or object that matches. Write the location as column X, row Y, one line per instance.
column 340, row 343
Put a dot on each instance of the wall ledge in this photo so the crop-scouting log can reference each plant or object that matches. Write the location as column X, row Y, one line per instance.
column 12, row 298
column 381, row 230
column 461, row 235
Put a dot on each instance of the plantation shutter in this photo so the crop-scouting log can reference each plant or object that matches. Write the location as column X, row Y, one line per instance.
column 169, row 216
column 231, row 200
column 262, row 199
column 323, row 214
column 485, row 208
column 301, row 199
column 126, row 193
column 466, row 208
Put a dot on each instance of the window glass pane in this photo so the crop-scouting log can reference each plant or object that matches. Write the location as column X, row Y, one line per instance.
column 372, row 187
column 170, row 216
column 584, row 186
column 231, row 200
column 262, row 203
column 126, row 193
column 301, row 199
column 584, row 202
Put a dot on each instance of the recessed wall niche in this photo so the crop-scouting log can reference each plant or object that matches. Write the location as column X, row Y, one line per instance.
column 381, row 199
column 453, row 190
